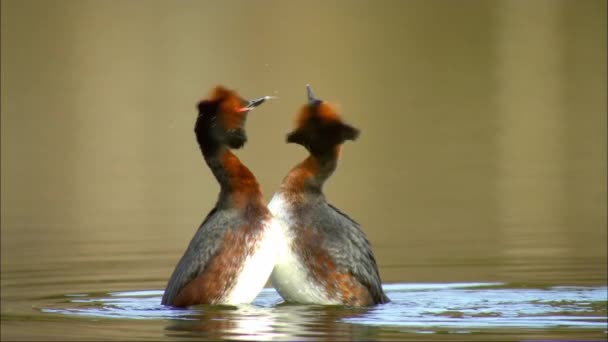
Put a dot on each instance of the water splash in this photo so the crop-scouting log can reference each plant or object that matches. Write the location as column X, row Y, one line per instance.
column 420, row 307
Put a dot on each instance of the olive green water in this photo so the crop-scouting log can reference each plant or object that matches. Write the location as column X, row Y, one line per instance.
column 479, row 176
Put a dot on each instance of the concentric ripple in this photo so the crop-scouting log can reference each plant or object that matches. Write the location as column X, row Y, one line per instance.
column 416, row 306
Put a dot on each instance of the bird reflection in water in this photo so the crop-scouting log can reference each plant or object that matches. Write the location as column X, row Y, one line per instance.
column 282, row 322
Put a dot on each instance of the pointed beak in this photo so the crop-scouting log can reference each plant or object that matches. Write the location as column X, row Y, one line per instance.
column 256, row 102
column 311, row 96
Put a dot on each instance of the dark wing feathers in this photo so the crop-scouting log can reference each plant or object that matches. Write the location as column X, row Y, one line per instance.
column 351, row 249
column 203, row 246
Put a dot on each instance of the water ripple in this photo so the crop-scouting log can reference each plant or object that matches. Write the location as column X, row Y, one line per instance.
column 421, row 307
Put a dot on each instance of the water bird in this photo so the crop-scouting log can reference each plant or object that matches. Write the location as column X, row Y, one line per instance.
column 325, row 256
column 231, row 255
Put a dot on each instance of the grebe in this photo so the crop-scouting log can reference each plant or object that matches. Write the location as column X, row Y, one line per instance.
column 326, row 258
column 231, row 256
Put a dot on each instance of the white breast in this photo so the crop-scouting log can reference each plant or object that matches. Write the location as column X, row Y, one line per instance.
column 257, row 267
column 290, row 276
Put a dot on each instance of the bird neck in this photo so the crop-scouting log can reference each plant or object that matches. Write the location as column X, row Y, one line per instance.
column 310, row 175
column 239, row 187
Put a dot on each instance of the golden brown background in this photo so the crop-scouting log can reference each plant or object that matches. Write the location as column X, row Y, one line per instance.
column 482, row 154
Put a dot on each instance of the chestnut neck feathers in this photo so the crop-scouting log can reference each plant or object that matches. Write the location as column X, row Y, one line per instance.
column 310, row 175
column 220, row 127
column 321, row 131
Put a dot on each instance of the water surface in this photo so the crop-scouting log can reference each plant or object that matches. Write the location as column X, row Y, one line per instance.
column 480, row 175
column 476, row 310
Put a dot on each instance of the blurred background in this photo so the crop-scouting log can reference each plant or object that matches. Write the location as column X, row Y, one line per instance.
column 482, row 155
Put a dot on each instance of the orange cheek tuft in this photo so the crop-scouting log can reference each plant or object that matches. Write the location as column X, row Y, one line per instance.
column 303, row 116
column 232, row 118
column 325, row 111
column 231, row 115
column 219, row 92
column 328, row 113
